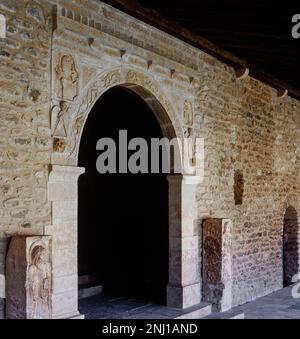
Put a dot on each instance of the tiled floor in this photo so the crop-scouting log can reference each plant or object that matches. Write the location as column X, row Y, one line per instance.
column 277, row 305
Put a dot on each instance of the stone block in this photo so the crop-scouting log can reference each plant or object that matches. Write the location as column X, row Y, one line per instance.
column 217, row 266
column 29, row 278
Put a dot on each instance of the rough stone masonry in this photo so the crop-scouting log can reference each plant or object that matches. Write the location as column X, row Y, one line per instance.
column 56, row 60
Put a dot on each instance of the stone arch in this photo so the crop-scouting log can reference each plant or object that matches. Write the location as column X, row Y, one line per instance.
column 137, row 81
column 183, row 288
column 290, row 248
column 291, row 200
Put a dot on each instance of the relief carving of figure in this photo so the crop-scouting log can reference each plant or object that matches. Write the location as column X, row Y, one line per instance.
column 60, row 117
column 67, row 76
column 188, row 113
column 39, row 284
column 188, row 133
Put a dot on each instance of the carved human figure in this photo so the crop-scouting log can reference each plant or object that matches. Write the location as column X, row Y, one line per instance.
column 68, row 77
column 60, row 114
column 191, row 147
column 188, row 113
column 39, row 284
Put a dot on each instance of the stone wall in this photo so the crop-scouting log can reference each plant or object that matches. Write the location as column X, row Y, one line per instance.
column 25, row 140
column 248, row 129
column 249, row 132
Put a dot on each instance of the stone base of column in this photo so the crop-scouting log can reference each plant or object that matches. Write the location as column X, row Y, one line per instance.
column 183, row 296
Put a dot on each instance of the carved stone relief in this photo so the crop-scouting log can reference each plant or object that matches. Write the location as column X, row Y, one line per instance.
column 67, row 126
column 59, row 145
column 189, row 133
column 38, row 285
column 60, row 117
column 67, row 77
column 188, row 113
column 29, row 278
column 217, row 273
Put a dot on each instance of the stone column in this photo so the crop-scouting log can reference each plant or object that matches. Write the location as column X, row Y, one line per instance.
column 217, row 273
column 62, row 192
column 183, row 289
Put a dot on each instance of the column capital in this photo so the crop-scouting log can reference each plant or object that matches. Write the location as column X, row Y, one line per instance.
column 60, row 173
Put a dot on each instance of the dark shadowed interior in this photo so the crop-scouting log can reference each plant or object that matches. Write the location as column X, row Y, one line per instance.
column 290, row 246
column 123, row 218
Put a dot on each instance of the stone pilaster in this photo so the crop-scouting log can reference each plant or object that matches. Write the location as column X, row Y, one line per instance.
column 217, row 272
column 62, row 192
column 184, row 277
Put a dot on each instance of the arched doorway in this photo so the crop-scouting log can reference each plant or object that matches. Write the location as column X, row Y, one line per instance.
column 183, row 288
column 122, row 217
column 290, row 245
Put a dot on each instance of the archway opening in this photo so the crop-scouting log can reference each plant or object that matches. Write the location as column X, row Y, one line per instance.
column 290, row 246
column 122, row 218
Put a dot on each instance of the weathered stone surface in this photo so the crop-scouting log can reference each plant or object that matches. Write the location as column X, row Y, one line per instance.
column 29, row 278
column 245, row 127
column 217, row 263
column 2, row 308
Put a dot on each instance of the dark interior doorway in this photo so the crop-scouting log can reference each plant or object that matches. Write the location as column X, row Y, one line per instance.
column 122, row 218
column 290, row 246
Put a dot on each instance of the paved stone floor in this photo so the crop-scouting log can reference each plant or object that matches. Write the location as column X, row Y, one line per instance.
column 103, row 306
column 277, row 305
column 107, row 307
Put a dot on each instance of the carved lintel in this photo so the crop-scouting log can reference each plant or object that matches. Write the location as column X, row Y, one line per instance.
column 282, row 93
column 242, row 73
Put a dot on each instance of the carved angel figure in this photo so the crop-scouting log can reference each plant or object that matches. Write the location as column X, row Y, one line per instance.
column 60, row 117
